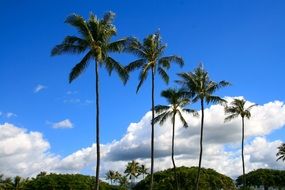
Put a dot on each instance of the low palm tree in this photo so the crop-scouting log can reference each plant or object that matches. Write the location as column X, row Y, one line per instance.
column 150, row 59
column 143, row 170
column 94, row 40
column 110, row 175
column 123, row 181
column 281, row 152
column 235, row 109
column 201, row 88
column 177, row 102
column 132, row 171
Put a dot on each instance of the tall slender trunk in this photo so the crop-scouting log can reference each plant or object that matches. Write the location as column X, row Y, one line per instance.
column 97, row 126
column 242, row 156
column 172, row 153
column 152, row 128
column 201, row 144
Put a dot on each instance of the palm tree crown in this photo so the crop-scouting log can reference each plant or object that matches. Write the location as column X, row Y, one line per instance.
column 132, row 170
column 237, row 108
column 150, row 54
column 143, row 170
column 281, row 152
column 94, row 40
column 177, row 101
column 200, row 87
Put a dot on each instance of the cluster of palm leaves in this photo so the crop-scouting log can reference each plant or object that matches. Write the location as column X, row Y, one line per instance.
column 95, row 42
column 281, row 152
column 16, row 183
column 132, row 171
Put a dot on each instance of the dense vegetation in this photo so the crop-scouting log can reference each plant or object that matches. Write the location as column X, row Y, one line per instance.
column 264, row 177
column 53, row 182
column 209, row 179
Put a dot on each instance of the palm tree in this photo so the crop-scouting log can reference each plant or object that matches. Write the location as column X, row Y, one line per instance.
column 143, row 170
column 177, row 102
column 123, row 181
column 150, row 59
column 281, row 152
column 201, row 88
column 235, row 109
column 110, row 175
column 117, row 177
column 95, row 41
column 132, row 170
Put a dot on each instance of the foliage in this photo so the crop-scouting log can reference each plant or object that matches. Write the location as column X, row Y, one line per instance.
column 64, row 182
column 281, row 152
column 265, row 177
column 210, row 179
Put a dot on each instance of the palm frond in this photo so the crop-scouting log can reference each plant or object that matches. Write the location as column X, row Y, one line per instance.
column 161, row 108
column 119, row 45
column 143, row 75
column 70, row 44
column 108, row 18
column 165, row 116
column 113, row 64
column 135, row 64
column 163, row 74
column 231, row 117
column 185, row 124
column 79, row 23
column 191, row 111
column 215, row 99
column 80, row 67
column 165, row 61
column 136, row 48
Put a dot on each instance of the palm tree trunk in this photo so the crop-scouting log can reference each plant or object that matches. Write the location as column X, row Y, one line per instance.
column 152, row 129
column 172, row 154
column 242, row 156
column 97, row 126
column 201, row 144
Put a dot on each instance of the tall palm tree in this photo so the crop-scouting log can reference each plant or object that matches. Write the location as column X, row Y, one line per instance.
column 281, row 152
column 177, row 102
column 235, row 109
column 132, row 170
column 201, row 88
column 150, row 59
column 94, row 40
column 143, row 170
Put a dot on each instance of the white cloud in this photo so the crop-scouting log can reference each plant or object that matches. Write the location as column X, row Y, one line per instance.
column 22, row 152
column 66, row 123
column 10, row 114
column 221, row 145
column 7, row 115
column 39, row 88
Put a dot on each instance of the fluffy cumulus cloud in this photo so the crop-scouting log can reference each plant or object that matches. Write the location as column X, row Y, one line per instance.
column 66, row 123
column 221, row 144
column 22, row 152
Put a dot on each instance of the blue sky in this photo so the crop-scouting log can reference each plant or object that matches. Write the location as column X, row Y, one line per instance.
column 239, row 41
